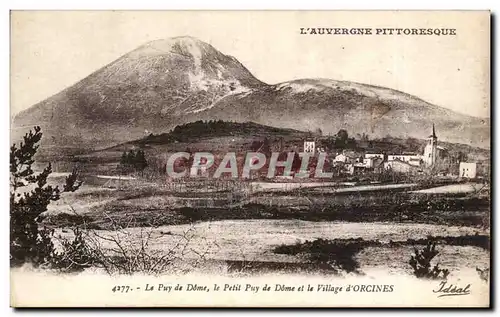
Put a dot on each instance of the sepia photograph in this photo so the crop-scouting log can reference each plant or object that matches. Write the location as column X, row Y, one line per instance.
column 250, row 159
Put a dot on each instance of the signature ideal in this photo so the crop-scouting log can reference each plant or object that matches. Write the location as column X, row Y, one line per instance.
column 452, row 290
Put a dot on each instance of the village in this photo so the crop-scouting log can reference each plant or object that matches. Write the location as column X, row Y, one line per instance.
column 435, row 159
column 317, row 156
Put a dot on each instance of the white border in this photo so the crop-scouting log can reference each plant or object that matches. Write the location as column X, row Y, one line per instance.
column 253, row 5
column 200, row 5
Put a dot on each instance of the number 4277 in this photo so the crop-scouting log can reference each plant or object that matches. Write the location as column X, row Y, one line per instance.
column 121, row 288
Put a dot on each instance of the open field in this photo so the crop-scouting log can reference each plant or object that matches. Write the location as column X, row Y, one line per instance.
column 455, row 188
column 141, row 202
column 255, row 240
column 241, row 224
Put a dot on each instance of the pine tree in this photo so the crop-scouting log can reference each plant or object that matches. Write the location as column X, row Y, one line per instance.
column 130, row 159
column 123, row 160
column 140, row 162
column 29, row 197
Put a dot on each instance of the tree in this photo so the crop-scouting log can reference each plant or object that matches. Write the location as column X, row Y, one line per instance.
column 140, row 162
column 266, row 147
column 124, row 159
column 341, row 139
column 30, row 196
column 126, row 162
column 342, row 136
column 461, row 156
column 351, row 143
column 130, row 158
column 133, row 161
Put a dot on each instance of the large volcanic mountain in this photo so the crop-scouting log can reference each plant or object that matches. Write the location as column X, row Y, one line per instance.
column 168, row 82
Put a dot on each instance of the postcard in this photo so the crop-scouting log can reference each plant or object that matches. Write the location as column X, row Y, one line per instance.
column 250, row 159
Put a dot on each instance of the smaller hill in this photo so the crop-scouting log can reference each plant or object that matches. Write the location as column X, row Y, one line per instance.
column 193, row 131
column 215, row 136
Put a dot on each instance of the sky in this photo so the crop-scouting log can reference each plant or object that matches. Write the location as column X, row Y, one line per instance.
column 52, row 50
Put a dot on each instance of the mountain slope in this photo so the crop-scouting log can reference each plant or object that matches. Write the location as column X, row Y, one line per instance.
column 168, row 82
column 332, row 105
column 146, row 88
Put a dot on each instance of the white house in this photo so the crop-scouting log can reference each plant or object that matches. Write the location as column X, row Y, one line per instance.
column 347, row 157
column 468, row 170
column 342, row 158
column 368, row 162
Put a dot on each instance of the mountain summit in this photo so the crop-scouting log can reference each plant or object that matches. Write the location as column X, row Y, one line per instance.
column 167, row 82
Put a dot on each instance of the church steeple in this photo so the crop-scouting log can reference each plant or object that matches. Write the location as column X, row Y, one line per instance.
column 430, row 151
column 433, row 135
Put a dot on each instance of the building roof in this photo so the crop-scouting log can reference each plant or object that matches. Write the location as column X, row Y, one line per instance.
column 468, row 163
column 407, row 154
column 350, row 154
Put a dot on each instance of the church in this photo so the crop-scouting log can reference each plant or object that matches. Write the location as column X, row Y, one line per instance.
column 432, row 151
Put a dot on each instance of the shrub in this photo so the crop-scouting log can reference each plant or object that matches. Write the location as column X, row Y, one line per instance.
column 119, row 251
column 336, row 256
column 421, row 263
column 484, row 274
column 76, row 254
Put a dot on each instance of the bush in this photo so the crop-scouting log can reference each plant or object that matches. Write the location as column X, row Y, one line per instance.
column 29, row 197
column 119, row 251
column 76, row 254
column 421, row 263
column 336, row 256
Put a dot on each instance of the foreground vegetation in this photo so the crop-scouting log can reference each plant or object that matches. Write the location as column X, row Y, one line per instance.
column 174, row 209
column 339, row 255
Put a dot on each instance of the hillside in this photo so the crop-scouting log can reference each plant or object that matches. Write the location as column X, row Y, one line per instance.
column 169, row 82
column 194, row 131
column 222, row 137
